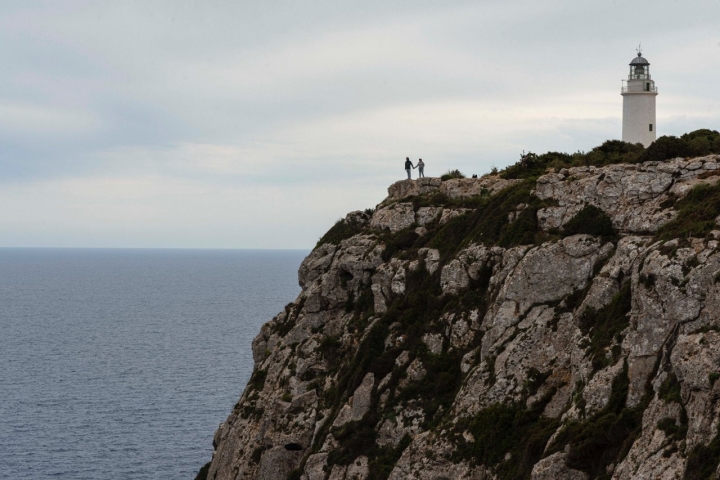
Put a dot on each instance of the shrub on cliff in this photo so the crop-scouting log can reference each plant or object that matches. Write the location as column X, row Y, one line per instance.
column 696, row 214
column 339, row 232
column 450, row 174
column 693, row 144
column 610, row 152
column 590, row 220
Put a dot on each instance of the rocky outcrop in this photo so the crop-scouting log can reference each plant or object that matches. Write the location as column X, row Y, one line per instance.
column 455, row 188
column 423, row 348
column 632, row 195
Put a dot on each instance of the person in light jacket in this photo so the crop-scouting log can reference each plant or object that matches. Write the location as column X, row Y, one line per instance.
column 421, row 167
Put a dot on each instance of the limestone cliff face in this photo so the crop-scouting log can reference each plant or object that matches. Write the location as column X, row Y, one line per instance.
column 486, row 328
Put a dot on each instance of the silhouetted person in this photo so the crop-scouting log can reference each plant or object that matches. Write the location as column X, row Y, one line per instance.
column 408, row 166
column 421, row 167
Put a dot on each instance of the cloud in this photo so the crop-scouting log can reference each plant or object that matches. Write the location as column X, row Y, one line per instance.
column 38, row 120
column 214, row 123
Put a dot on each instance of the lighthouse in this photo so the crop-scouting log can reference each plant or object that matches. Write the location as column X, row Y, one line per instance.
column 639, row 92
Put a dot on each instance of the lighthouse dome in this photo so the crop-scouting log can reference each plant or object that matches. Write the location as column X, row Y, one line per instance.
column 639, row 60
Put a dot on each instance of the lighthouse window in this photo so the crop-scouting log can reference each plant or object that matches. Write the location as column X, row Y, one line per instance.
column 651, row 127
column 647, row 87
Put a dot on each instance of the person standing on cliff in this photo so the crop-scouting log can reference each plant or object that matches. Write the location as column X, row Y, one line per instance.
column 421, row 167
column 408, row 165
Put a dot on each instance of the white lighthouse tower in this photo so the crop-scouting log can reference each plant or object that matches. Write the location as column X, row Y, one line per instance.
column 639, row 92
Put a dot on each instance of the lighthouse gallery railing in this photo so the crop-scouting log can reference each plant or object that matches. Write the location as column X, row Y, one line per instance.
column 639, row 89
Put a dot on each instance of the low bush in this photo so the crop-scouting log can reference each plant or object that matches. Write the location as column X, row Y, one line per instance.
column 399, row 241
column 703, row 460
column 607, row 436
column 339, row 232
column 450, row 174
column 503, row 429
column 670, row 389
column 696, row 213
column 605, row 324
column 202, row 474
column 693, row 144
column 590, row 220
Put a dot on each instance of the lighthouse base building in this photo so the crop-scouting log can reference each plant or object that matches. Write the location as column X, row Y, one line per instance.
column 639, row 92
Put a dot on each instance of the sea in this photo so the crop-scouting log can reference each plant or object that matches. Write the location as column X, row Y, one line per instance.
column 120, row 364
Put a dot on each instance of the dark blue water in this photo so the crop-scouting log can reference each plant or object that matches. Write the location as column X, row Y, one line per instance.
column 119, row 364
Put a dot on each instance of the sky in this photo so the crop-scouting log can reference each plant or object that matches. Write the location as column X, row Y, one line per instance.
column 247, row 124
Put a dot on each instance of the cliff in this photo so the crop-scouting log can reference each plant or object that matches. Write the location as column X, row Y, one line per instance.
column 565, row 326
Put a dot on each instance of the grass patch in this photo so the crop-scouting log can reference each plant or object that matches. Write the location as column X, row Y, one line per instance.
column 696, row 214
column 489, row 223
column 605, row 324
column 397, row 242
column 416, row 313
column 703, row 460
column 342, row 230
column 445, row 377
column 330, row 348
column 437, row 199
column 257, row 380
column 506, row 428
column 360, row 437
column 591, row 221
column 282, row 326
column 672, row 430
column 607, row 436
column 535, row 378
column 203, row 473
column 670, row 389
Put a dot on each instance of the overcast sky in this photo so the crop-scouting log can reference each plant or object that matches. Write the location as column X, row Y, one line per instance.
column 257, row 124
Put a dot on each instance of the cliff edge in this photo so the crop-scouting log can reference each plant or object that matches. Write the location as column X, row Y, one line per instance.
column 559, row 327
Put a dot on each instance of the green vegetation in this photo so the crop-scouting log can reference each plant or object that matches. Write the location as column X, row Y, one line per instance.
column 672, row 430
column 703, row 460
column 648, row 280
column 450, row 174
column 330, row 349
column 607, row 436
column 438, row 199
column 605, row 325
column 535, row 379
column 506, row 428
column 591, row 221
column 490, row 222
column 612, row 151
column 511, row 438
column 356, row 437
column 696, row 214
column 445, row 378
column 257, row 381
column 670, row 389
column 339, row 232
column 202, row 474
column 414, row 314
column 399, row 241
column 693, row 144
